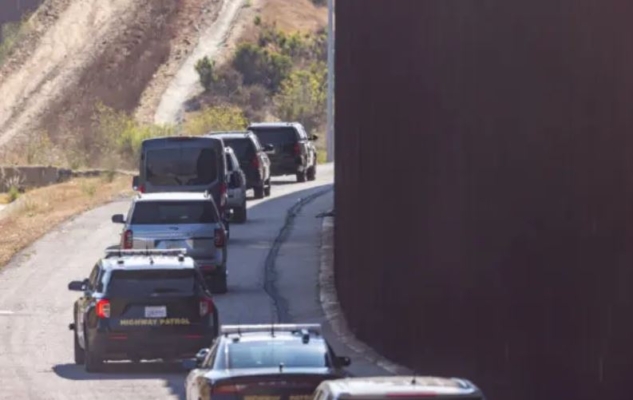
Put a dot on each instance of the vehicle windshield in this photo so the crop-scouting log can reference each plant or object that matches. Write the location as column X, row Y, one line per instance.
column 177, row 166
column 269, row 354
column 275, row 136
column 243, row 148
column 174, row 212
column 149, row 282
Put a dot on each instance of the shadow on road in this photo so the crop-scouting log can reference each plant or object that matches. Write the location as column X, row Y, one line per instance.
column 172, row 373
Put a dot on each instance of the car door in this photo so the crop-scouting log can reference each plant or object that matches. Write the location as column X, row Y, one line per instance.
column 84, row 303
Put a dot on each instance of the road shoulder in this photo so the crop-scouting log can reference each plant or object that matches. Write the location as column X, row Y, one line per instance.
column 306, row 281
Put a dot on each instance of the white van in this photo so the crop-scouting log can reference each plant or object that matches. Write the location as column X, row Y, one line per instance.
column 402, row 387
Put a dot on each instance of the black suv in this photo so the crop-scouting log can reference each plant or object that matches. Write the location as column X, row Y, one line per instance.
column 142, row 304
column 293, row 151
column 253, row 159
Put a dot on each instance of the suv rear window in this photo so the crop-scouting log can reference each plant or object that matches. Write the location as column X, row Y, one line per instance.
column 174, row 212
column 244, row 149
column 177, row 166
column 148, row 282
column 276, row 136
column 269, row 354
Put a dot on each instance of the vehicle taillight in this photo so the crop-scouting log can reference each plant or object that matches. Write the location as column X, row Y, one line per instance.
column 219, row 238
column 206, row 306
column 128, row 239
column 103, row 308
column 228, row 389
column 297, row 149
column 255, row 162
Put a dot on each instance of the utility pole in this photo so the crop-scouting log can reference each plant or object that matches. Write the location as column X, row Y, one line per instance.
column 330, row 82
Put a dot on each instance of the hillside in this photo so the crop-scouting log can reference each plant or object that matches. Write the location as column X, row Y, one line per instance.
column 79, row 69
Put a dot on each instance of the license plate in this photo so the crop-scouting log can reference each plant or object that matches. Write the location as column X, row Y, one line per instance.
column 171, row 244
column 156, row 312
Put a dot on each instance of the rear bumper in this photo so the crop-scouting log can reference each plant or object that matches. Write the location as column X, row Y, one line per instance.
column 286, row 166
column 148, row 345
column 253, row 179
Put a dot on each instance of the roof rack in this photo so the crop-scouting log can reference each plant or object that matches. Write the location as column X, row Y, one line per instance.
column 239, row 329
column 146, row 252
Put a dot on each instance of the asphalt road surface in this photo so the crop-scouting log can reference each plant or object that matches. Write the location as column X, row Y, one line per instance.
column 36, row 360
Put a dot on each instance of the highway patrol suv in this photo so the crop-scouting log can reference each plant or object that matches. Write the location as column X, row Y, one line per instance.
column 141, row 305
column 264, row 361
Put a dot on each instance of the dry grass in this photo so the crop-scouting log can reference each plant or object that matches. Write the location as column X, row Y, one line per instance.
column 40, row 210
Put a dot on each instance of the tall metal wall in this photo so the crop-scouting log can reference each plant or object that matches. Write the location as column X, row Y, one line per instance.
column 484, row 179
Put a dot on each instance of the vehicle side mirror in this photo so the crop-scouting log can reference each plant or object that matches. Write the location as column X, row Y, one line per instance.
column 78, row 286
column 135, row 180
column 344, row 361
column 314, row 137
column 118, row 219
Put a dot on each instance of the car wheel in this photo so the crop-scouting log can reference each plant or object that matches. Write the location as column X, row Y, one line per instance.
column 301, row 176
column 92, row 363
column 80, row 354
column 239, row 214
column 267, row 188
column 259, row 192
column 312, row 173
column 219, row 283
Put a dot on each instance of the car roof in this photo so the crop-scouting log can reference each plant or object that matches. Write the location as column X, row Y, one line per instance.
column 250, row 337
column 272, row 124
column 367, row 386
column 230, row 135
column 175, row 196
column 144, row 262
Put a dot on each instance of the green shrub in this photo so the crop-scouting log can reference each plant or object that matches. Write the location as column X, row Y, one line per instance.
column 303, row 97
column 257, row 20
column 261, row 66
column 12, row 33
column 206, row 72
column 219, row 118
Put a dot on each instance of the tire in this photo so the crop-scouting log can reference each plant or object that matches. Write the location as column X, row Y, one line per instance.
column 301, row 176
column 312, row 173
column 80, row 354
column 259, row 192
column 219, row 283
column 267, row 188
column 239, row 214
column 92, row 363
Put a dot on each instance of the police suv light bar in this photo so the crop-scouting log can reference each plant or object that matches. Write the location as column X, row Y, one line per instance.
column 146, row 252
column 230, row 329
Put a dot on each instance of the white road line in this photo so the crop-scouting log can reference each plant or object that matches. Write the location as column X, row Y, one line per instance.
column 6, row 312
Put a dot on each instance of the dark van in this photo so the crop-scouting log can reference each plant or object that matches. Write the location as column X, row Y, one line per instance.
column 184, row 164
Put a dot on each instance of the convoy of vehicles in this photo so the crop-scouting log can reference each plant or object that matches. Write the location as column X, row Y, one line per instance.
column 152, row 297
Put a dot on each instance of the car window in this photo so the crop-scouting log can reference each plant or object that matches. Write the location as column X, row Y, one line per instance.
column 177, row 166
column 149, row 282
column 93, row 278
column 229, row 162
column 242, row 147
column 276, row 136
column 174, row 212
column 267, row 354
column 210, row 358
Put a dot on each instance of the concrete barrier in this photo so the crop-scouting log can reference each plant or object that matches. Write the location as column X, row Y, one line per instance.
column 28, row 177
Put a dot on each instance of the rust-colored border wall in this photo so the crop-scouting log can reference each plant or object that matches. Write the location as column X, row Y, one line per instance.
column 484, row 175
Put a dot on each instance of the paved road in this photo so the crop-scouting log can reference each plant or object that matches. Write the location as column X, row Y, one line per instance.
column 35, row 307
